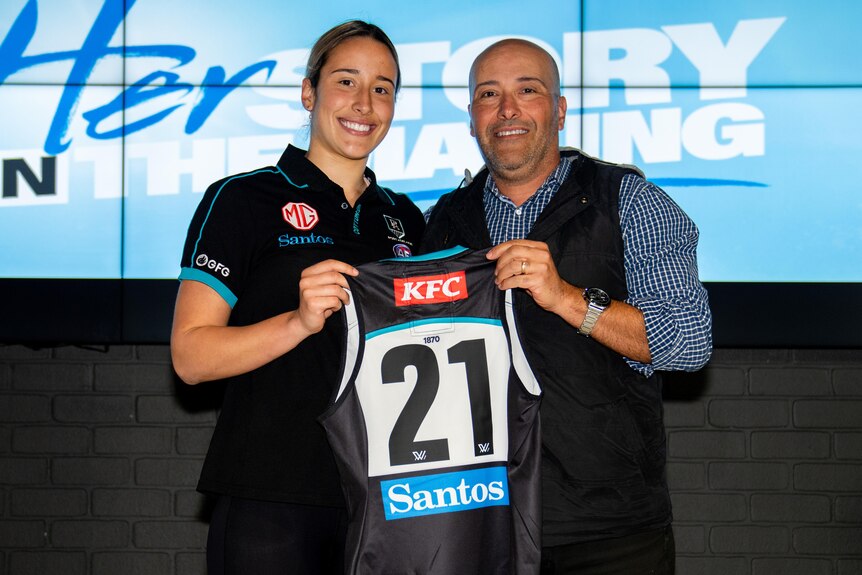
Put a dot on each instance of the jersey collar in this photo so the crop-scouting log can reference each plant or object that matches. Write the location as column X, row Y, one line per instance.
column 302, row 172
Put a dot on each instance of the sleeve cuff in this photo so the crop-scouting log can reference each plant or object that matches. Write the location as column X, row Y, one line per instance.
column 205, row 278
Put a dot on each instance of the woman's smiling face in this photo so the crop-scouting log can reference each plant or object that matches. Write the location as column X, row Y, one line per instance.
column 354, row 101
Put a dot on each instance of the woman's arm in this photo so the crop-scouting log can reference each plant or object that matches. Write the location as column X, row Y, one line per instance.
column 205, row 348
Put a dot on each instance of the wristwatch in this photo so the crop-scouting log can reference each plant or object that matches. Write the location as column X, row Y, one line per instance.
column 597, row 302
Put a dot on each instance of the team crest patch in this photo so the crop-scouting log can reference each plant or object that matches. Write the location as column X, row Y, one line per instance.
column 401, row 251
column 300, row 215
column 394, row 226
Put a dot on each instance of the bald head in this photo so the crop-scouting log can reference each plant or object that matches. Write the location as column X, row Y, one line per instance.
column 547, row 65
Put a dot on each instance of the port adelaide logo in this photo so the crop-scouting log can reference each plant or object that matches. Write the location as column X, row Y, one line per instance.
column 395, row 227
column 397, row 233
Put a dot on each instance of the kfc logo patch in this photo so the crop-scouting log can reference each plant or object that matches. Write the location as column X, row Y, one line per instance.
column 301, row 216
column 430, row 289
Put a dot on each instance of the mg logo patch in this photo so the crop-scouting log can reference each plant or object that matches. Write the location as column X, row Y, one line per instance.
column 300, row 215
column 430, row 289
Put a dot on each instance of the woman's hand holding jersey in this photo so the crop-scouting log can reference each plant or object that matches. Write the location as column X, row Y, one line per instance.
column 205, row 348
column 322, row 293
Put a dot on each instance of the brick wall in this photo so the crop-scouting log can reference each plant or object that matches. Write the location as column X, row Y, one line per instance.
column 100, row 450
column 765, row 463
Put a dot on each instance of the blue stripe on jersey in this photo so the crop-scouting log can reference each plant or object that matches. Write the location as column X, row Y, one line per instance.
column 442, row 254
column 431, row 321
column 444, row 492
column 386, row 193
column 291, row 182
column 215, row 197
column 205, row 278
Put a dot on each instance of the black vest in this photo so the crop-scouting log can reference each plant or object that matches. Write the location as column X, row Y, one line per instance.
column 603, row 439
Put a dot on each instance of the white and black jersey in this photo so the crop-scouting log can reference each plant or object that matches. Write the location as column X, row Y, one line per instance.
column 435, row 425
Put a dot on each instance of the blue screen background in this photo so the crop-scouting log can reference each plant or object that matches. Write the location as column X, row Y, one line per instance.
column 747, row 115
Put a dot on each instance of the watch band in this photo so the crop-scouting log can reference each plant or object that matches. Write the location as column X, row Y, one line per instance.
column 597, row 302
column 593, row 313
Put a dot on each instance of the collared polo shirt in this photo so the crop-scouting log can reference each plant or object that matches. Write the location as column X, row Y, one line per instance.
column 249, row 240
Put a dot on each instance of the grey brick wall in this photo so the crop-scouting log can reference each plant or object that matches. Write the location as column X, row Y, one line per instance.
column 100, row 448
column 765, row 463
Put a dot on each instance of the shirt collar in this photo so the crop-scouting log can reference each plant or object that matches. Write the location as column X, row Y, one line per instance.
column 302, row 171
column 549, row 187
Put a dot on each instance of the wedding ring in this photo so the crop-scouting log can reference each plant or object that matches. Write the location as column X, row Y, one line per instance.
column 523, row 267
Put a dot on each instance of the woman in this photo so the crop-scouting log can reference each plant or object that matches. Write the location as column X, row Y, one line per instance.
column 263, row 271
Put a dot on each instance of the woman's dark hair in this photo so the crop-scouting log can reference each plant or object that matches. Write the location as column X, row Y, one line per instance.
column 335, row 36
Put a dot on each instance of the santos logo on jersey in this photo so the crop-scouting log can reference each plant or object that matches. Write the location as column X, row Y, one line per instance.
column 430, row 289
column 444, row 492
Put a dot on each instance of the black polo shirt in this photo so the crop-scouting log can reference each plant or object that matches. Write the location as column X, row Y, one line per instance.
column 250, row 239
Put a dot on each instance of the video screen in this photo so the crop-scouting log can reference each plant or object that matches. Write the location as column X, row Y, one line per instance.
column 116, row 115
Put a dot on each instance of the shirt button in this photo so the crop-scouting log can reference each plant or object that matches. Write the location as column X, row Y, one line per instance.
column 344, row 205
column 518, row 212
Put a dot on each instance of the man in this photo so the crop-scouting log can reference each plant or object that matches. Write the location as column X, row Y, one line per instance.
column 609, row 293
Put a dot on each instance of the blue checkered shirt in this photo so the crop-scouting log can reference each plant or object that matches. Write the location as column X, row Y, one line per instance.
column 660, row 243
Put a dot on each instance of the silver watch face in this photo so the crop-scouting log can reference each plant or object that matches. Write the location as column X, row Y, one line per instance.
column 597, row 296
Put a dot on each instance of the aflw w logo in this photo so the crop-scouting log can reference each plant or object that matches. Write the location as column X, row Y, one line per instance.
column 484, row 447
column 420, row 455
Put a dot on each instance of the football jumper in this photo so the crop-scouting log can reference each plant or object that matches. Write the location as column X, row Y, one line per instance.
column 435, row 426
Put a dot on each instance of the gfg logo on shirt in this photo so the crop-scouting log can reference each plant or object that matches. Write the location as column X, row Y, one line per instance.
column 430, row 289
column 204, row 261
column 444, row 492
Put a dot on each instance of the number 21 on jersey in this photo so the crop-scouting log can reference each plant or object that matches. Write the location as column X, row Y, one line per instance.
column 436, row 401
